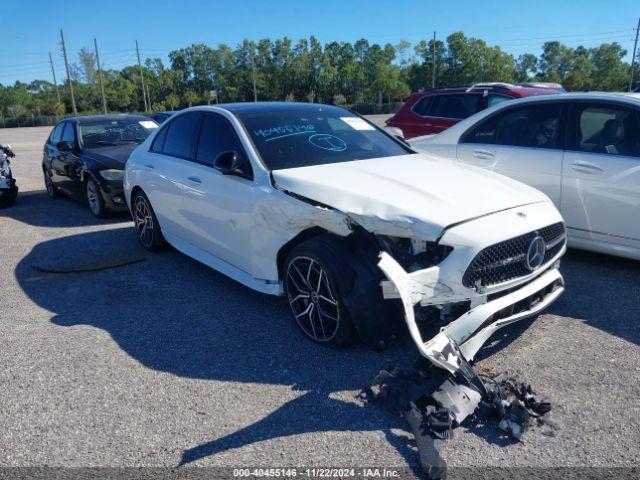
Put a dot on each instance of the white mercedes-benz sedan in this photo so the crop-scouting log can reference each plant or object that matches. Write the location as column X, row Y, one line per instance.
column 316, row 203
column 581, row 149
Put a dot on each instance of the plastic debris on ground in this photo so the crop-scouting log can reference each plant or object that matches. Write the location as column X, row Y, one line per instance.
column 434, row 401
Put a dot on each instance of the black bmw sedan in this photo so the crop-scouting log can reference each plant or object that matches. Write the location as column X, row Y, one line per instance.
column 84, row 158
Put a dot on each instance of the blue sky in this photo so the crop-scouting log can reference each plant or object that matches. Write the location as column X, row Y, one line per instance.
column 31, row 28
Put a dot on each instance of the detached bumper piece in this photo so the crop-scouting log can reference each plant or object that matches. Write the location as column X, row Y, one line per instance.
column 433, row 403
column 463, row 337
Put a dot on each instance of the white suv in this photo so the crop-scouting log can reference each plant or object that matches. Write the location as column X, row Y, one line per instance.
column 316, row 203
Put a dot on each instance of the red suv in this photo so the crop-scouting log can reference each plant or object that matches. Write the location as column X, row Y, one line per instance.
column 433, row 111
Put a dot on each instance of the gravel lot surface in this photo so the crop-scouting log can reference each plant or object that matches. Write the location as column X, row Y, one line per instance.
column 166, row 361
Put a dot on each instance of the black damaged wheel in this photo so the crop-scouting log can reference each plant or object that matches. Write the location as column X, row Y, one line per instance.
column 316, row 280
column 147, row 226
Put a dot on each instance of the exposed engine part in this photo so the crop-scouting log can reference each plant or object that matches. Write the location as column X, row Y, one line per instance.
column 414, row 254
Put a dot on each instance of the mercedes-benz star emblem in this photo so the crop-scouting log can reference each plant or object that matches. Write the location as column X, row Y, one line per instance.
column 535, row 253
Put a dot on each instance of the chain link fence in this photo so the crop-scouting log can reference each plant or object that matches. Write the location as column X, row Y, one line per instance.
column 50, row 120
column 29, row 121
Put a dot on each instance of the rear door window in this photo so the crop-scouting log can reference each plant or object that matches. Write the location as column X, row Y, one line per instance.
column 158, row 142
column 528, row 126
column 181, row 136
column 531, row 126
column 608, row 129
column 458, row 106
column 421, row 107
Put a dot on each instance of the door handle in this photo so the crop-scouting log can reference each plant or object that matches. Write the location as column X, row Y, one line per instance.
column 148, row 166
column 586, row 167
column 194, row 179
column 483, row 154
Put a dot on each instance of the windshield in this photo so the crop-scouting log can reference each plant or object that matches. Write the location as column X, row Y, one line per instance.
column 116, row 132
column 315, row 135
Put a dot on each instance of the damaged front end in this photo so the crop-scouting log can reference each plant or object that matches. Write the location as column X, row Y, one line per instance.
column 474, row 292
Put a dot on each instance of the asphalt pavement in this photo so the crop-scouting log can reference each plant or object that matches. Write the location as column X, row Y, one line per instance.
column 165, row 362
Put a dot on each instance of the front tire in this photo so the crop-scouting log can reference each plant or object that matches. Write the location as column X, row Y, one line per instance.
column 48, row 183
column 147, row 226
column 315, row 285
column 96, row 202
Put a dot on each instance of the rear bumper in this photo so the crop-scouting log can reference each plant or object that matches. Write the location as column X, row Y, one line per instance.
column 471, row 330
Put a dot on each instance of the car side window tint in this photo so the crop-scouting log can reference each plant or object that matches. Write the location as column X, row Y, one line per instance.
column 158, row 142
column 421, row 106
column 181, row 135
column 56, row 134
column 217, row 136
column 69, row 133
column 530, row 126
column 609, row 129
column 484, row 132
column 457, row 106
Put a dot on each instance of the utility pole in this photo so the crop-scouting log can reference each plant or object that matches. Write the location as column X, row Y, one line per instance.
column 66, row 64
column 433, row 61
column 144, row 95
column 55, row 82
column 633, row 59
column 104, row 100
column 253, row 70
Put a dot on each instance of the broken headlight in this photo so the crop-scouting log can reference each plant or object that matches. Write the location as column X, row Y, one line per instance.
column 414, row 254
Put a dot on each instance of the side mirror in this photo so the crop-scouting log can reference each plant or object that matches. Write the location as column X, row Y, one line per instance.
column 228, row 163
column 65, row 146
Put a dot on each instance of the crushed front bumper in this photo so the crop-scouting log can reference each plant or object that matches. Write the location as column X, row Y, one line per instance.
column 466, row 335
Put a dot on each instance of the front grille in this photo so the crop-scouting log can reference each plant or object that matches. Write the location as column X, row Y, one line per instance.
column 506, row 260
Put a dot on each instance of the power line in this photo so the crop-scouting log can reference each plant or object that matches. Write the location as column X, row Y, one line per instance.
column 144, row 96
column 55, row 82
column 633, row 57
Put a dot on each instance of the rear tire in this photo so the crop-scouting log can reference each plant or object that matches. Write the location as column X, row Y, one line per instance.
column 147, row 226
column 316, row 280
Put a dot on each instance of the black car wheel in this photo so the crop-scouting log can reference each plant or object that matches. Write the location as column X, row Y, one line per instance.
column 315, row 296
column 48, row 183
column 94, row 197
column 147, row 226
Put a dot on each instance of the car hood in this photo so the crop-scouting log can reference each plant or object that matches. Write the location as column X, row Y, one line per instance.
column 416, row 195
column 111, row 156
